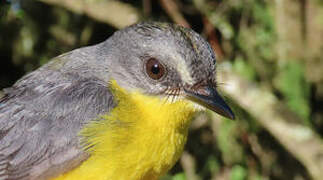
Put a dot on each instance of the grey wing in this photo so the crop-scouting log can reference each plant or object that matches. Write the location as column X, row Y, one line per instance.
column 40, row 118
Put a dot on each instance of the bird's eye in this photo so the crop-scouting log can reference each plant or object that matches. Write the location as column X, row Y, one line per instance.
column 155, row 69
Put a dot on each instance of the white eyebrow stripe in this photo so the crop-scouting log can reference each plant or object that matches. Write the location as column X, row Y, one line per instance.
column 183, row 70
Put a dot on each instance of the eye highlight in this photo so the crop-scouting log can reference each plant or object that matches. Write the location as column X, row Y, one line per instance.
column 154, row 69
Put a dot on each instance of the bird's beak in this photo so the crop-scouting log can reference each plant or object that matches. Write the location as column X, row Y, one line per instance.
column 208, row 97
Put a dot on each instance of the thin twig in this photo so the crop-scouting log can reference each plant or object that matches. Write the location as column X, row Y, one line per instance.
column 115, row 13
column 172, row 10
column 212, row 38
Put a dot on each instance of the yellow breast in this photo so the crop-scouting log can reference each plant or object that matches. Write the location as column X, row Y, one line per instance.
column 141, row 138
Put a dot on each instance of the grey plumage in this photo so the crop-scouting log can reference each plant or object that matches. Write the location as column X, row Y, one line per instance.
column 41, row 115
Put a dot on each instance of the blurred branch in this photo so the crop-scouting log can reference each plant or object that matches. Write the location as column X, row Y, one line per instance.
column 188, row 164
column 223, row 175
column 212, row 38
column 115, row 13
column 299, row 140
column 62, row 35
column 172, row 10
column 289, row 28
column 314, row 46
column 146, row 6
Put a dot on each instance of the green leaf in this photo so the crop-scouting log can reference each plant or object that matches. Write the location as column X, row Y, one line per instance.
column 227, row 141
column 179, row 176
column 238, row 173
column 293, row 85
column 244, row 69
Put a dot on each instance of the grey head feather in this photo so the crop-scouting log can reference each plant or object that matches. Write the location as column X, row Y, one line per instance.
column 42, row 114
column 187, row 57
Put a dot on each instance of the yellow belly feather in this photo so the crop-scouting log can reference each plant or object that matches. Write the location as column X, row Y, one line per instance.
column 141, row 138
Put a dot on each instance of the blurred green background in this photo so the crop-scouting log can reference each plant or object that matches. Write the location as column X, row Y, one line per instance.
column 270, row 68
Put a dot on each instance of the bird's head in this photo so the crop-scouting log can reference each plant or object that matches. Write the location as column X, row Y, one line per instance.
column 166, row 60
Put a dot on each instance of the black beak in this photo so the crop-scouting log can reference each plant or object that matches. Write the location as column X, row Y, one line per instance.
column 208, row 97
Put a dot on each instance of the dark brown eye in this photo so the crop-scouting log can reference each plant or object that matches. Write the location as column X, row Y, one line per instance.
column 155, row 69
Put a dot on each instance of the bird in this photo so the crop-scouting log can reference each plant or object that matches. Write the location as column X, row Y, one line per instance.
column 118, row 110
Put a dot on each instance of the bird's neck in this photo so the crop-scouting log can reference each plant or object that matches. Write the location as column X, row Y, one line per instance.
column 141, row 138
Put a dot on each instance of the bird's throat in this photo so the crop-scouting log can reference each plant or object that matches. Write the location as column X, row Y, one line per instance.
column 141, row 138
